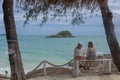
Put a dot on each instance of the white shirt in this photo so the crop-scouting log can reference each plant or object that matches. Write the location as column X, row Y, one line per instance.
column 79, row 52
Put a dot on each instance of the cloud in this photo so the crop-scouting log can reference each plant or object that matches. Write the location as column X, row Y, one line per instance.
column 92, row 25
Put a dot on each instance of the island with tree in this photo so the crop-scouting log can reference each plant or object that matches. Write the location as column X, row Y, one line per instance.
column 61, row 34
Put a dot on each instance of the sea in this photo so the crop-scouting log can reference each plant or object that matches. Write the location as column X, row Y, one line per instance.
column 35, row 49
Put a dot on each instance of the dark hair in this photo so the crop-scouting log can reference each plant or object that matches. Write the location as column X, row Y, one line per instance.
column 90, row 44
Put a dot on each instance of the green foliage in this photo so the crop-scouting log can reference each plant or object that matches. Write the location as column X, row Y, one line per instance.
column 62, row 34
column 65, row 33
column 58, row 8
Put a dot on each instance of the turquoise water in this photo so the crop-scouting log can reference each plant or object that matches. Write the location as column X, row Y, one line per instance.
column 34, row 49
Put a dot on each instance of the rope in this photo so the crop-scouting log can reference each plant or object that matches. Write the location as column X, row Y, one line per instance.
column 58, row 65
column 51, row 64
column 43, row 62
column 63, row 64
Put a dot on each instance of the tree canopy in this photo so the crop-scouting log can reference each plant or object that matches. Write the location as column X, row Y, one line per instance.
column 33, row 8
column 58, row 8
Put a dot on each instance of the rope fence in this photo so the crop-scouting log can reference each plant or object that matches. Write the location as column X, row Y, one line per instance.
column 106, row 65
column 47, row 62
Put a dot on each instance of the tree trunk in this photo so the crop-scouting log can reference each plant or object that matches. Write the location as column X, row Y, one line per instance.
column 110, row 34
column 17, row 71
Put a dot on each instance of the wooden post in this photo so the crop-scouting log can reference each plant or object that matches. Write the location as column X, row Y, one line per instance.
column 44, row 67
column 103, row 66
column 73, row 68
column 76, row 70
column 107, row 66
column 110, row 64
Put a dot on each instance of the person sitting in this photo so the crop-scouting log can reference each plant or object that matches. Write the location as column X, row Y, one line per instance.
column 91, row 55
column 79, row 53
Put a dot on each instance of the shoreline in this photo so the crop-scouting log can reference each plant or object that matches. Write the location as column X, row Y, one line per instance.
column 26, row 69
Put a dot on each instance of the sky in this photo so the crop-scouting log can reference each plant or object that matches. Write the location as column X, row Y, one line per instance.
column 92, row 26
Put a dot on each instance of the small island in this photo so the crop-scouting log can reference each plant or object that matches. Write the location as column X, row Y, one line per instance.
column 62, row 34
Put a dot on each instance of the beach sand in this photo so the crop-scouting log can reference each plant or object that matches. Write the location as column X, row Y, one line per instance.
column 82, row 77
column 66, row 74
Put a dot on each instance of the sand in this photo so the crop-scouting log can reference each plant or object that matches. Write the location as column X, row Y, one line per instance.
column 69, row 77
column 82, row 77
column 66, row 74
